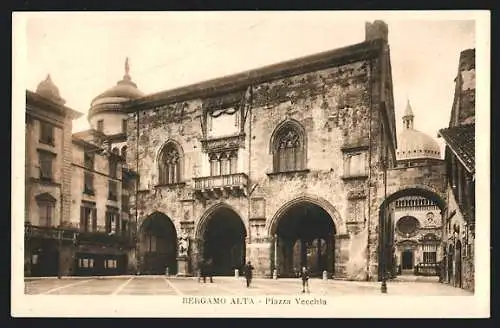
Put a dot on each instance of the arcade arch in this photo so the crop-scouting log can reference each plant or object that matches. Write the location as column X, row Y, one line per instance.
column 222, row 235
column 304, row 235
column 407, row 226
column 158, row 244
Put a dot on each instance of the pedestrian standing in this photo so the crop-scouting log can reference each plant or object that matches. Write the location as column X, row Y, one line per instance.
column 248, row 273
column 304, row 275
column 201, row 271
column 210, row 269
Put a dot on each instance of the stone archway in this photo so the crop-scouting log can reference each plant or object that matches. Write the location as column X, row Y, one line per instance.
column 221, row 235
column 158, row 244
column 386, row 262
column 304, row 235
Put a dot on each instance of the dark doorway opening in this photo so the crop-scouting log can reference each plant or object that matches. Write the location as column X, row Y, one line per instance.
column 45, row 259
column 305, row 236
column 407, row 260
column 451, row 252
column 158, row 244
column 224, row 242
column 458, row 264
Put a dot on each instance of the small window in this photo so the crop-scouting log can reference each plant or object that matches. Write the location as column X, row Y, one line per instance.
column 355, row 164
column 88, row 185
column 289, row 150
column 88, row 160
column 88, row 218
column 100, row 125
column 113, row 168
column 170, row 165
column 45, row 214
column 46, row 133
column 125, row 203
column 46, row 161
column 112, row 190
column 430, row 257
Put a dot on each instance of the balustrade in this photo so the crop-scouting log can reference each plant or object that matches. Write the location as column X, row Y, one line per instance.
column 219, row 185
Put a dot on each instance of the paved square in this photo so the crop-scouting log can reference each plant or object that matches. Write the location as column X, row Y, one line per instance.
column 162, row 285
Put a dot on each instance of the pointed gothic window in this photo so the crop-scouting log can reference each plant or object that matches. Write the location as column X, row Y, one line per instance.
column 288, row 150
column 170, row 165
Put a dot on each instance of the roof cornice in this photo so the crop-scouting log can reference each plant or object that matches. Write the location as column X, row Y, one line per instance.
column 46, row 103
column 360, row 51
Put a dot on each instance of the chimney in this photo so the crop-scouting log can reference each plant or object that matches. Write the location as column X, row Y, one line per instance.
column 467, row 60
column 376, row 30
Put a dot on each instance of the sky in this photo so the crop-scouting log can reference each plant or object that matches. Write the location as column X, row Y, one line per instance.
column 85, row 52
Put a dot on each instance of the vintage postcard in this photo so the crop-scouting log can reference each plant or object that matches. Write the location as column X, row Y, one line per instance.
column 251, row 164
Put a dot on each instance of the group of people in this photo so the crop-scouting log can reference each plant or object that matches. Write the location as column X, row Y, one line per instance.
column 206, row 270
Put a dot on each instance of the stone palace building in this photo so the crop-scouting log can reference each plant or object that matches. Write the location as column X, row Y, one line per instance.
column 284, row 166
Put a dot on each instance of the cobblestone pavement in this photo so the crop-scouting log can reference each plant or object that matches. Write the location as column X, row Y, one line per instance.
column 162, row 285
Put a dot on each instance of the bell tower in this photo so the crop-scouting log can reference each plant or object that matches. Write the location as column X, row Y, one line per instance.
column 408, row 116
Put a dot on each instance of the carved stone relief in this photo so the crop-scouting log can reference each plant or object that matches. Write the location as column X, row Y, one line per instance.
column 258, row 208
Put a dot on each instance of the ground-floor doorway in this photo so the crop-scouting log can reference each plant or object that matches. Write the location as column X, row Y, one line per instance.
column 223, row 247
column 158, row 245
column 44, row 258
column 407, row 259
column 304, row 236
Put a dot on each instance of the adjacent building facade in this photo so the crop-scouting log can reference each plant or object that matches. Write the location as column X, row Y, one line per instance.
column 459, row 225
column 418, row 219
column 47, row 181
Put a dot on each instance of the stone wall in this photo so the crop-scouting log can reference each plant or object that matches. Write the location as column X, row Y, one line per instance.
column 454, row 234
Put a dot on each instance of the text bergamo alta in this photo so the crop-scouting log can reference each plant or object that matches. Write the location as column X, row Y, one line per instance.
column 253, row 300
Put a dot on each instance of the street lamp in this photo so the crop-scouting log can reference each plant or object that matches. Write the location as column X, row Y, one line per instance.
column 383, row 287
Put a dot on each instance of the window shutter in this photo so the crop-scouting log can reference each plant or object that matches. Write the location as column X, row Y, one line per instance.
column 94, row 219
column 82, row 218
column 178, row 171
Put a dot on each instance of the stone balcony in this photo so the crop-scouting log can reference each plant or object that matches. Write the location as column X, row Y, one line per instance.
column 31, row 231
column 212, row 187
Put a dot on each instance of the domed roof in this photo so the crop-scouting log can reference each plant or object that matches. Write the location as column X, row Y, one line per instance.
column 49, row 90
column 123, row 90
column 413, row 144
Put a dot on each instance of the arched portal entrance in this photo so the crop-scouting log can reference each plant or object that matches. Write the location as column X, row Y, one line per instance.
column 395, row 229
column 223, row 235
column 158, row 244
column 451, row 252
column 304, row 236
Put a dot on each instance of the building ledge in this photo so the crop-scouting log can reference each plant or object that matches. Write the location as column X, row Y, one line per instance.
column 171, row 185
column 46, row 182
column 354, row 177
column 289, row 173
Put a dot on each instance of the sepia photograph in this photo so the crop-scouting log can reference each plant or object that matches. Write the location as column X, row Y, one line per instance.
column 269, row 163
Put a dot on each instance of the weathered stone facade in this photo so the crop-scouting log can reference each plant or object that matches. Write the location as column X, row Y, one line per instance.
column 459, row 226
column 341, row 101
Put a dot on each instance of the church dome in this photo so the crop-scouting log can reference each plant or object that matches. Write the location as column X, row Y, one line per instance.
column 123, row 91
column 49, row 90
column 413, row 144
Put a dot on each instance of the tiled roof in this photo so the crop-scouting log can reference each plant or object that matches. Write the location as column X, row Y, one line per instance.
column 461, row 140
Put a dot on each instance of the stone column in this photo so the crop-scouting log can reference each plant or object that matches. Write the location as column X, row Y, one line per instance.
column 319, row 254
column 276, row 264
